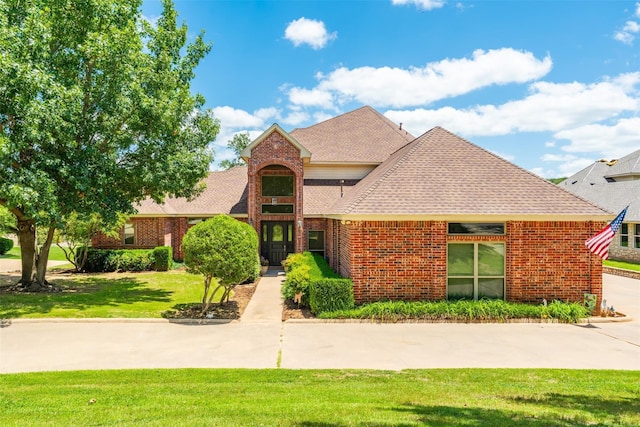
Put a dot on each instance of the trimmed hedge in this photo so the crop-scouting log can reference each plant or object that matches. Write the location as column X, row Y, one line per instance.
column 331, row 295
column 303, row 269
column 5, row 245
column 108, row 260
column 163, row 258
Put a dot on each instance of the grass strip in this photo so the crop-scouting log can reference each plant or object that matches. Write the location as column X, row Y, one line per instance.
column 621, row 264
column 236, row 397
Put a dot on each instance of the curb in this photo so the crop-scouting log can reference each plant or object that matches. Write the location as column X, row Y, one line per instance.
column 504, row 322
column 7, row 322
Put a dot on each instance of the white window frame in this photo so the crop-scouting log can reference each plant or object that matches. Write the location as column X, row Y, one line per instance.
column 624, row 234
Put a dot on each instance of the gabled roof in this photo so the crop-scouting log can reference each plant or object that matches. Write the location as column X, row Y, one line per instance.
column 440, row 174
column 590, row 184
column 360, row 136
column 304, row 153
column 226, row 192
column 627, row 165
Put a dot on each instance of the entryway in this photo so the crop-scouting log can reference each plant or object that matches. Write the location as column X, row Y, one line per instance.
column 277, row 241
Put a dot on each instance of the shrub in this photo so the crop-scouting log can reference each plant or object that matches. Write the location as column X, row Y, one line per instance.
column 106, row 260
column 297, row 283
column 224, row 248
column 466, row 311
column 331, row 295
column 302, row 269
column 5, row 245
column 163, row 258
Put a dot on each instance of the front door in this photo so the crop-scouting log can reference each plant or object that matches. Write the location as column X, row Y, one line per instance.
column 277, row 240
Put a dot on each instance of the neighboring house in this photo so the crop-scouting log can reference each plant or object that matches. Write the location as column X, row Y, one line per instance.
column 424, row 218
column 614, row 185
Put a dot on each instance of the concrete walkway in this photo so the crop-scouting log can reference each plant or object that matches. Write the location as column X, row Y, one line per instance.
column 260, row 339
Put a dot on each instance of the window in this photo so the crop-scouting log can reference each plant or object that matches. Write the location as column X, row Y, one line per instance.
column 316, row 242
column 475, row 270
column 637, row 237
column 277, row 209
column 624, row 235
column 129, row 234
column 478, row 228
column 277, row 185
column 194, row 221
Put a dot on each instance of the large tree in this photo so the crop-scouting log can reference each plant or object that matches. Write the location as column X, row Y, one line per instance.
column 239, row 142
column 96, row 113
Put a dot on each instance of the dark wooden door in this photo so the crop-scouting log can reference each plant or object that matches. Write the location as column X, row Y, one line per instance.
column 277, row 240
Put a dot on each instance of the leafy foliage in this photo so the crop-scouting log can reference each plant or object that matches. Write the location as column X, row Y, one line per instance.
column 239, row 142
column 96, row 113
column 5, row 245
column 302, row 269
column 467, row 311
column 163, row 258
column 77, row 233
column 331, row 295
column 107, row 260
column 224, row 248
column 7, row 221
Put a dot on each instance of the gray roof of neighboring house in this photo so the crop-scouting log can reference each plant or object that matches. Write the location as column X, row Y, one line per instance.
column 627, row 165
column 360, row 136
column 441, row 173
column 590, row 184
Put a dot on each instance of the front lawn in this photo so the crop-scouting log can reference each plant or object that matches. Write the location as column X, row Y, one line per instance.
column 274, row 397
column 621, row 264
column 55, row 254
column 109, row 295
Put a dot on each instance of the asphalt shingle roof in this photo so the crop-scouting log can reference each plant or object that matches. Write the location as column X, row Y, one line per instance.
column 590, row 184
column 226, row 192
column 441, row 173
column 360, row 136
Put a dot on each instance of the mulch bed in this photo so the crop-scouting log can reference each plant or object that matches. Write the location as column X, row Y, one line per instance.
column 231, row 310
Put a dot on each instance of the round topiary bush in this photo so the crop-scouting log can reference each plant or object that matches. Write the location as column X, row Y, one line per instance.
column 222, row 248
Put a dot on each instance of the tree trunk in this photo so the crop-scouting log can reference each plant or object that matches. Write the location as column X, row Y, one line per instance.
column 34, row 265
column 28, row 249
column 43, row 257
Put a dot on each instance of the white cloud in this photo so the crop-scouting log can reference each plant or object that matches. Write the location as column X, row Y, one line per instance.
column 550, row 144
column 308, row 31
column 420, row 4
column 549, row 107
column 398, row 87
column 311, row 98
column 508, row 157
column 627, row 34
column 567, row 165
column 234, row 118
column 610, row 141
column 296, row 118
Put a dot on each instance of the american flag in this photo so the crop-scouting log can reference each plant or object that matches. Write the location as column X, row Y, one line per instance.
column 599, row 244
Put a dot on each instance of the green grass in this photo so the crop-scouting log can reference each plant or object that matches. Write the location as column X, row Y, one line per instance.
column 132, row 295
column 621, row 264
column 55, row 254
column 235, row 397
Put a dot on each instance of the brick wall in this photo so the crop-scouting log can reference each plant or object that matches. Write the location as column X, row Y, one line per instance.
column 275, row 150
column 407, row 260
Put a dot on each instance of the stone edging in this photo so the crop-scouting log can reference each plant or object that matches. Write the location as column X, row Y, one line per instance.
column 621, row 272
column 506, row 321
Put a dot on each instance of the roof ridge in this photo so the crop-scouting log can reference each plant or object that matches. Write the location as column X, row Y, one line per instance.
column 387, row 173
column 396, row 128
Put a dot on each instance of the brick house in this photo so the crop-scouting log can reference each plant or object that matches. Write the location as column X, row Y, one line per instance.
column 613, row 185
column 409, row 218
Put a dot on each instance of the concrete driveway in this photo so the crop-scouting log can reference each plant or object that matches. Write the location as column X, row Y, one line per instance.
column 260, row 340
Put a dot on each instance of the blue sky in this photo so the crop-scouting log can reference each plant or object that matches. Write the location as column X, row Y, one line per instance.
column 549, row 85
